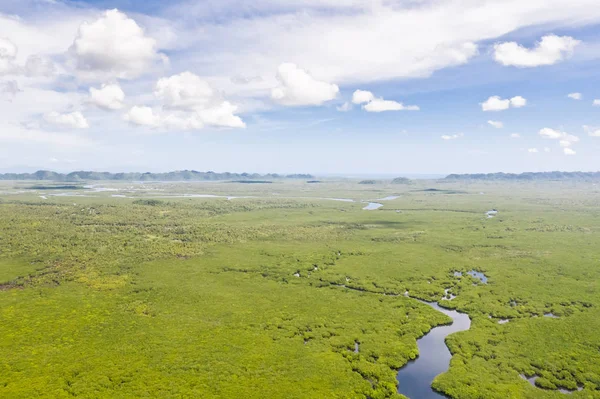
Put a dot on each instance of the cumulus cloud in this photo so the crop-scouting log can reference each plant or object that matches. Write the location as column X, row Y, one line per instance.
column 532, row 150
column 546, row 149
column 142, row 116
column 221, row 115
column 188, row 103
column 496, row 124
column 73, row 120
column 549, row 50
column 362, row 96
column 193, row 104
column 496, row 103
column 109, row 97
column 575, row 96
column 592, row 131
column 518, row 102
column 565, row 139
column 297, row 87
column 515, row 136
column 218, row 116
column 452, row 137
column 596, row 103
column 373, row 104
column 569, row 151
column 185, row 90
column 113, row 46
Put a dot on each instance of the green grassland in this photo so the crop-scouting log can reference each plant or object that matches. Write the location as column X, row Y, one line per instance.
column 162, row 294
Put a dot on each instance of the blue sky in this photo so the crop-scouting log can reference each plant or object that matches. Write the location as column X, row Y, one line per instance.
column 268, row 86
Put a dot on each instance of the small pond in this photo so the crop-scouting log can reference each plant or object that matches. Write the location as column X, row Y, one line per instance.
column 474, row 273
column 371, row 206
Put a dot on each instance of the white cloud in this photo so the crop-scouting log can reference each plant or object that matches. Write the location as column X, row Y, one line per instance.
column 551, row 133
column 575, row 96
column 533, row 150
column 452, row 137
column 362, row 96
column 546, row 149
column 109, row 96
column 381, row 105
column 565, row 139
column 515, row 136
column 496, row 124
column 113, row 46
column 74, row 120
column 8, row 54
column 34, row 66
column 142, row 116
column 592, row 131
column 549, row 50
column 557, row 135
column 185, row 90
column 221, row 115
column 495, row 103
column 298, row 87
column 7, row 49
column 345, row 107
column 569, row 151
column 193, row 104
column 10, row 88
column 39, row 66
column 596, row 103
column 373, row 104
column 518, row 102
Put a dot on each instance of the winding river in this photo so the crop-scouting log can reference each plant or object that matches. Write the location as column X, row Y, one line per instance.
column 415, row 378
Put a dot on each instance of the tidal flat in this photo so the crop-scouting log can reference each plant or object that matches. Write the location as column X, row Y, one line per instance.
column 229, row 290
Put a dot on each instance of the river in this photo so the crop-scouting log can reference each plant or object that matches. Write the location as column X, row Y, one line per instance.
column 415, row 378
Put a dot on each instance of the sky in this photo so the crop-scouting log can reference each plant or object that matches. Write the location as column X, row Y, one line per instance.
column 345, row 87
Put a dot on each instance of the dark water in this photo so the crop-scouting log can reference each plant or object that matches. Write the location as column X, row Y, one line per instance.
column 416, row 377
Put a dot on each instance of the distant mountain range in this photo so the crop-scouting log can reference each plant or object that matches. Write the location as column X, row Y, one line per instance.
column 528, row 176
column 183, row 175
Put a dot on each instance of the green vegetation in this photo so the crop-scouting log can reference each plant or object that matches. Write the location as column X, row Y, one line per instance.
column 367, row 182
column 159, row 295
column 402, row 180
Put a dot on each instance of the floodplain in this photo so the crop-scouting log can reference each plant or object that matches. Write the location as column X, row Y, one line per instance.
column 294, row 290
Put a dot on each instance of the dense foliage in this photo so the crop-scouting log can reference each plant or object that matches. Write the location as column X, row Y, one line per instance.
column 294, row 295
